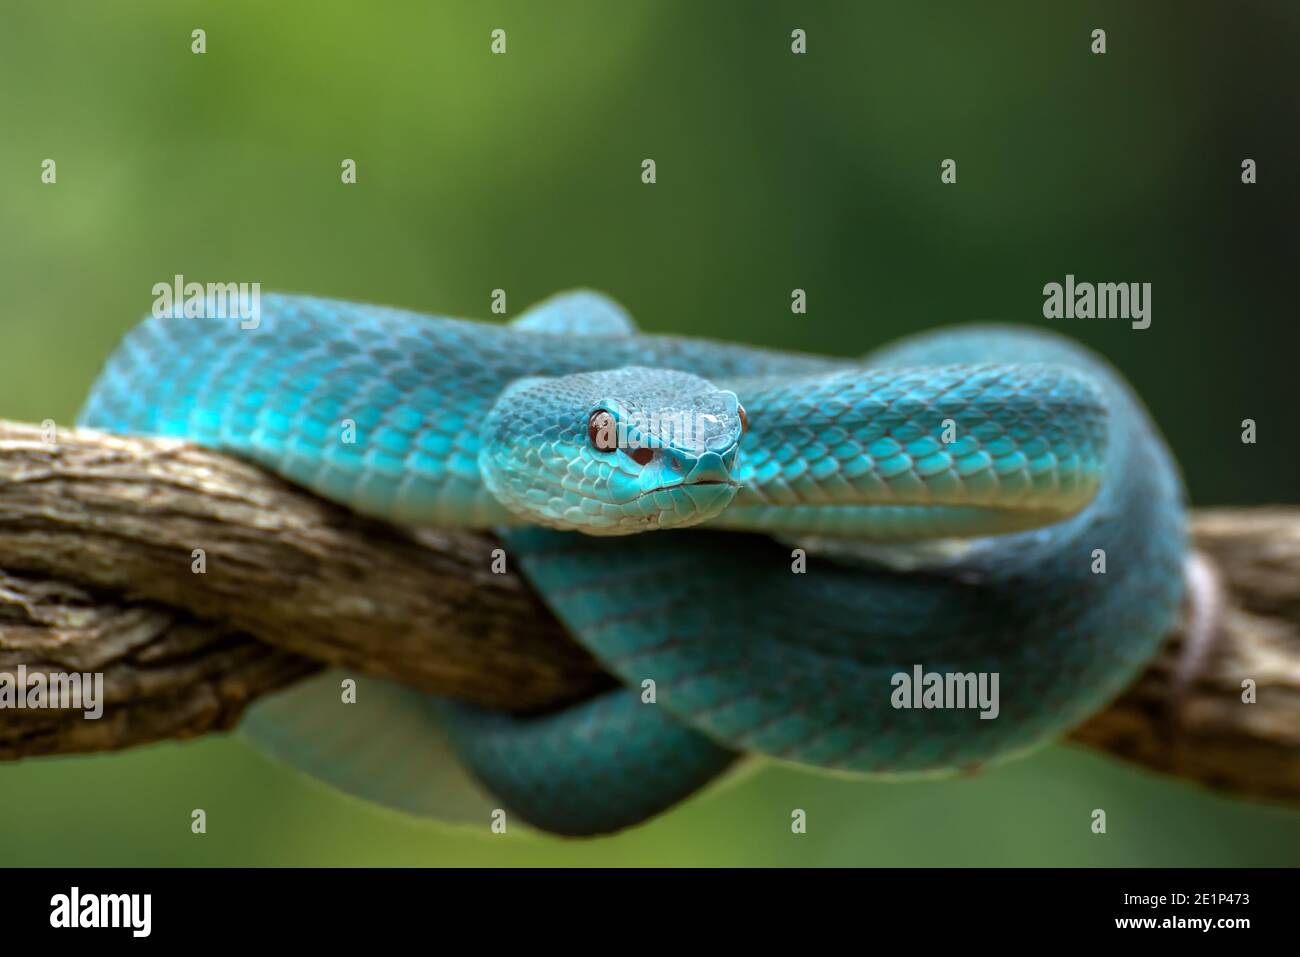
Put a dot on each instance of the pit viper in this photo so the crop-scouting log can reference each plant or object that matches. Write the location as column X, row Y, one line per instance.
column 754, row 543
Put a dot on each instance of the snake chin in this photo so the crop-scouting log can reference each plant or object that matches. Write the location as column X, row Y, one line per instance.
column 702, row 483
column 695, row 502
column 674, row 506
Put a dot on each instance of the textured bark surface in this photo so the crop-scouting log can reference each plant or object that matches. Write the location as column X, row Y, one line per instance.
column 97, row 556
column 166, row 675
column 1202, row 729
column 123, row 517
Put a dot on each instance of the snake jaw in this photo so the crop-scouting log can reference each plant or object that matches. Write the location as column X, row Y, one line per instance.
column 678, row 496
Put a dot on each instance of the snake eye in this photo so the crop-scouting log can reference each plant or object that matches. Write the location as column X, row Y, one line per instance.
column 600, row 430
column 642, row 456
column 744, row 419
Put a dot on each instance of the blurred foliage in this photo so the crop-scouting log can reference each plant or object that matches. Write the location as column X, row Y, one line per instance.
column 774, row 172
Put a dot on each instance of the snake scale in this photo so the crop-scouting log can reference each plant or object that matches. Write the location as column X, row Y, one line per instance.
column 753, row 542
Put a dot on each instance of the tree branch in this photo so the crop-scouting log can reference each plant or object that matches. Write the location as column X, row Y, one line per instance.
column 97, row 545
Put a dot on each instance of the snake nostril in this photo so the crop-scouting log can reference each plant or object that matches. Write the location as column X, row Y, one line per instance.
column 675, row 463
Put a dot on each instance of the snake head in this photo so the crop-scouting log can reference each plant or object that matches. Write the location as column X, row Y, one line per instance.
column 614, row 452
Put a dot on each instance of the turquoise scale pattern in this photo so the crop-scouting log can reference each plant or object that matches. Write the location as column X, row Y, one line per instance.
column 610, row 762
column 745, row 655
column 1023, row 436
column 417, row 389
column 283, row 393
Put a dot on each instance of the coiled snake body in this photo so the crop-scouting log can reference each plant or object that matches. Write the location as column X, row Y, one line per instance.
column 971, row 501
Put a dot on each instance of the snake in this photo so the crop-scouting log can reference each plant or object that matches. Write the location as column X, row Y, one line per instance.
column 758, row 546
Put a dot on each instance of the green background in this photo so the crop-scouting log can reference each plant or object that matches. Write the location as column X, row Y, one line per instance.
column 775, row 171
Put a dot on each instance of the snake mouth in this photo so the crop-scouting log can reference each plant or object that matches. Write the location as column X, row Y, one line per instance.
column 687, row 486
column 698, row 483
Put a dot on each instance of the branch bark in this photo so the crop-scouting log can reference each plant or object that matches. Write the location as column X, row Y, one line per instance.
column 97, row 550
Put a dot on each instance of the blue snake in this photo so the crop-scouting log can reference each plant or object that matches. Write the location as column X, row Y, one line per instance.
column 756, row 544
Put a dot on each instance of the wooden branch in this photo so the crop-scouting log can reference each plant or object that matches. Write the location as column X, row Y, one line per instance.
column 123, row 517
column 97, row 545
column 166, row 675
column 1204, row 730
